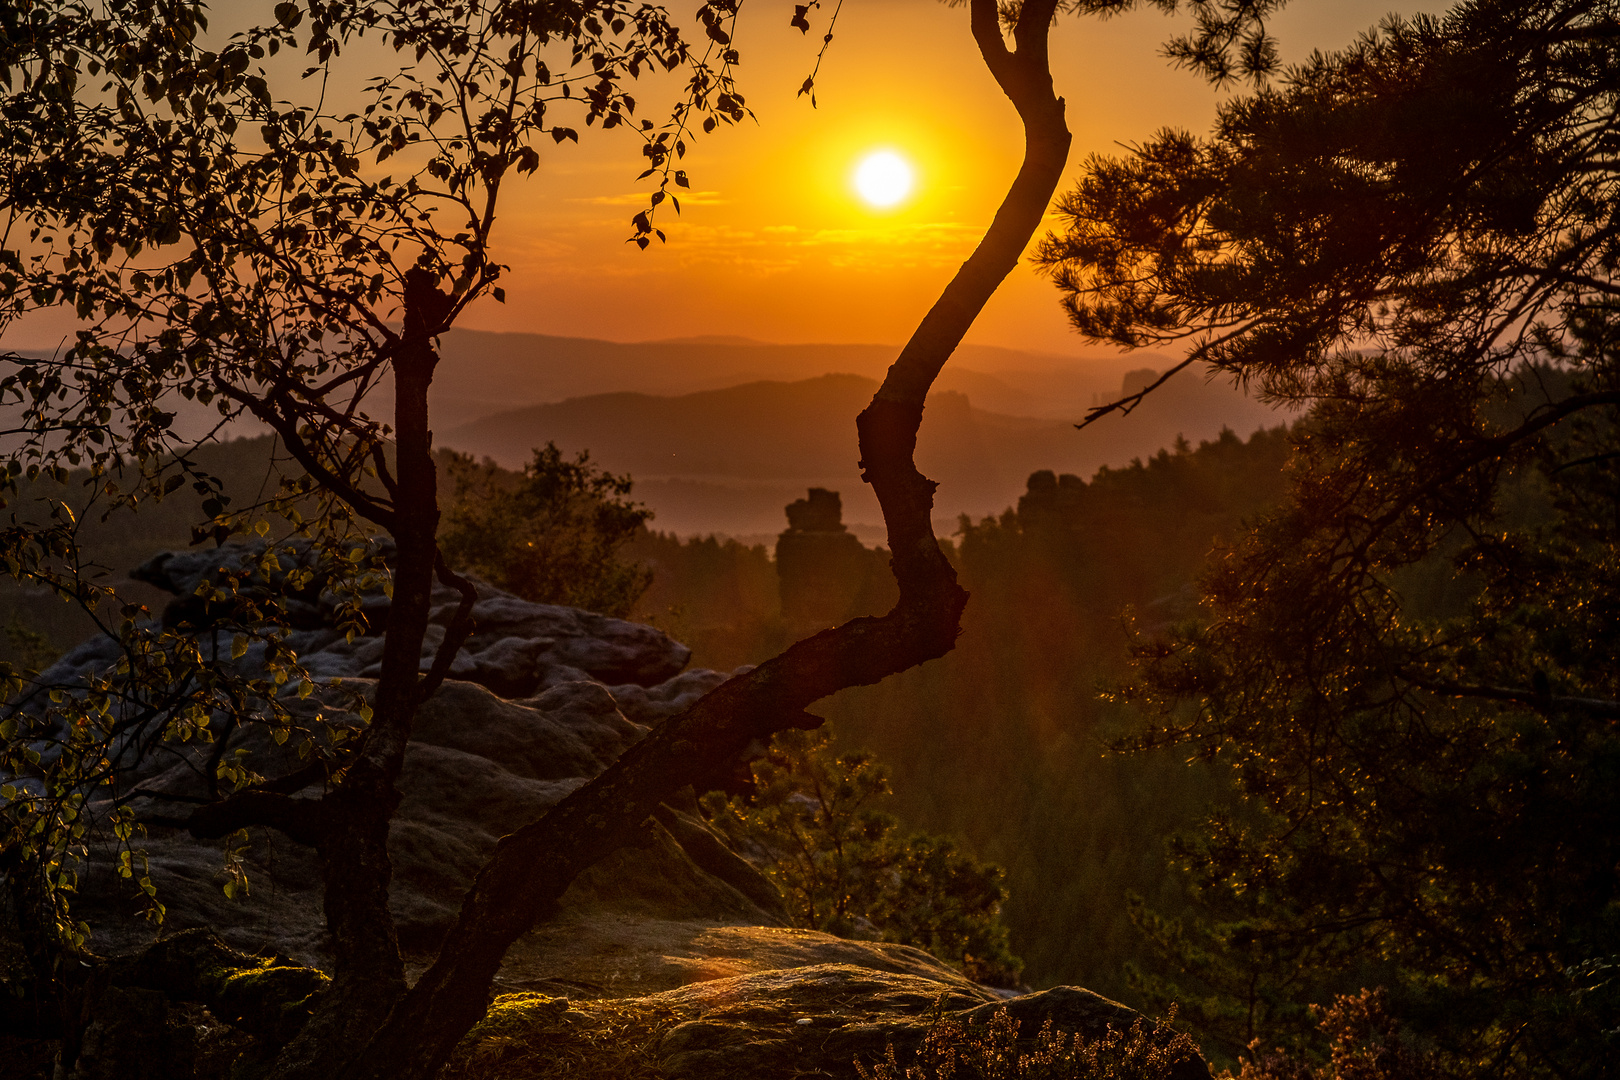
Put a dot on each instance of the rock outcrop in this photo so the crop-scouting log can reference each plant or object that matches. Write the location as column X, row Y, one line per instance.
column 824, row 573
column 539, row 700
column 809, row 1020
column 681, row 935
column 516, row 647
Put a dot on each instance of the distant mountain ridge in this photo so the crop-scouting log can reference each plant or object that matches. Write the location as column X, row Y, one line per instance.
column 486, row 372
column 727, row 460
column 721, row 432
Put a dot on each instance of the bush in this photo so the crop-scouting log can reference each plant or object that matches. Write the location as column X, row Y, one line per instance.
column 953, row 1050
column 1366, row 1042
column 551, row 533
column 812, row 826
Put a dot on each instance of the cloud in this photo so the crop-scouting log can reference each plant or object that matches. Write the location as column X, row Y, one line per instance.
column 594, row 245
column 641, row 198
column 776, row 248
column 924, row 234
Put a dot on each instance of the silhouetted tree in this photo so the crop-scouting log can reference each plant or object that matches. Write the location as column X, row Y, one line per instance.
column 1410, row 669
column 224, row 246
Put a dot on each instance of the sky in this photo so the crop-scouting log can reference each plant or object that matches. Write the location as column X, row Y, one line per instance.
column 774, row 243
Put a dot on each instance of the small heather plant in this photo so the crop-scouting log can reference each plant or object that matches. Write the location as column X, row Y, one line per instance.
column 952, row 1050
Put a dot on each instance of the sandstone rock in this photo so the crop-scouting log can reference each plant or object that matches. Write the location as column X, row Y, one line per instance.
column 531, row 712
column 678, row 942
column 752, row 1022
column 519, row 639
column 515, row 644
column 816, row 1020
column 649, row 704
column 603, row 954
column 478, row 768
column 819, row 511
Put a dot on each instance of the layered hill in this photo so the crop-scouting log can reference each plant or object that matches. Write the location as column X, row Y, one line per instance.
column 727, row 460
column 487, row 372
column 720, row 433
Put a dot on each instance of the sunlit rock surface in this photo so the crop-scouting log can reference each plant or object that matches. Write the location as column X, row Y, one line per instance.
column 680, row 935
column 815, row 1019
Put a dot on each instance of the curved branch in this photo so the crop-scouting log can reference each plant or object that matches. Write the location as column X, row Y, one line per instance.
column 532, row 867
column 287, row 428
column 1127, row 404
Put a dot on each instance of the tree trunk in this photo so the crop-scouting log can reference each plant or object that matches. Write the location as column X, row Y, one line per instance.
column 368, row 976
column 532, row 867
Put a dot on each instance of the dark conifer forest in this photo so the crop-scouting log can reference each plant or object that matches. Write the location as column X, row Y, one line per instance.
column 1005, row 742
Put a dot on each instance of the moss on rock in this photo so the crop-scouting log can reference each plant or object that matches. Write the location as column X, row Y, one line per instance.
column 268, row 997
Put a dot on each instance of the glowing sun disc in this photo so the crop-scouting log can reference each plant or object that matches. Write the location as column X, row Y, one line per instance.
column 883, row 178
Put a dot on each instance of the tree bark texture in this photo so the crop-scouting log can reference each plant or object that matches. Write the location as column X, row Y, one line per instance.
column 532, row 867
column 349, row 826
column 368, row 976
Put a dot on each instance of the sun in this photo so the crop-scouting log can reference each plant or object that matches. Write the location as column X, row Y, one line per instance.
column 883, row 178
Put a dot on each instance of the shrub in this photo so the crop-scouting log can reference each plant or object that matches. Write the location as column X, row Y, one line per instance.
column 1366, row 1042
column 952, row 1050
column 812, row 826
column 551, row 533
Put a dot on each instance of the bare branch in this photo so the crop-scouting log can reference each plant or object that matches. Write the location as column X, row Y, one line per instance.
column 455, row 635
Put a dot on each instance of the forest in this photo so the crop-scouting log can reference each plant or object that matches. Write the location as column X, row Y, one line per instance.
column 1285, row 756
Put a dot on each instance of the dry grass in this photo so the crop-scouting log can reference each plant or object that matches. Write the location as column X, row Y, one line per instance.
column 539, row 1037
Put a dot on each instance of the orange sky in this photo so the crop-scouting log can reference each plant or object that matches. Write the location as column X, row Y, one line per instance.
column 774, row 243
